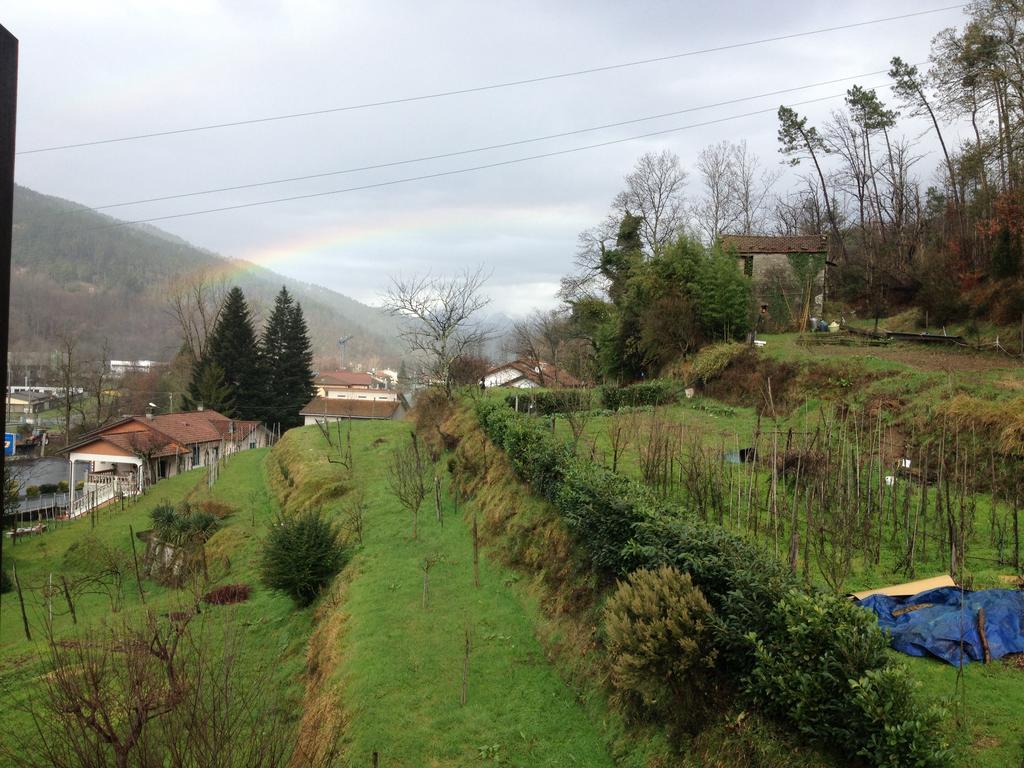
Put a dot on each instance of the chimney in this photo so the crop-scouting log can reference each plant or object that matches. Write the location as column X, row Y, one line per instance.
column 149, row 414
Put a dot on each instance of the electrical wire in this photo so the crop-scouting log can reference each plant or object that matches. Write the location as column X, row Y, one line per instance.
column 457, row 153
column 457, row 171
column 489, row 87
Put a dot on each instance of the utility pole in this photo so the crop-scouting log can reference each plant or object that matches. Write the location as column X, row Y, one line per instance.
column 8, row 110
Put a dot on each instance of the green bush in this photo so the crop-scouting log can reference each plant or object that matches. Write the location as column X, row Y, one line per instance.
column 710, row 362
column 602, row 508
column 546, row 402
column 647, row 393
column 660, row 647
column 6, row 582
column 48, row 488
column 32, row 492
column 62, row 486
column 740, row 580
column 80, row 485
column 822, row 664
column 301, row 555
column 186, row 525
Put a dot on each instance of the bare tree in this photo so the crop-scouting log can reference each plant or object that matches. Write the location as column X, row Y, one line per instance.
column 146, row 693
column 655, row 192
column 68, row 377
column 751, row 189
column 195, row 304
column 441, row 318
column 539, row 338
column 407, row 473
column 716, row 211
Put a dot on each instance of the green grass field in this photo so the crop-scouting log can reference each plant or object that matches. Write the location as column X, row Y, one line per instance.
column 402, row 668
column 272, row 627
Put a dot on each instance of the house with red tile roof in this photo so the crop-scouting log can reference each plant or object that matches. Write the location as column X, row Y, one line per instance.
column 131, row 453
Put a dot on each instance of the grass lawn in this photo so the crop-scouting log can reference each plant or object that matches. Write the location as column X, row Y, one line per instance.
column 273, row 629
column 402, row 663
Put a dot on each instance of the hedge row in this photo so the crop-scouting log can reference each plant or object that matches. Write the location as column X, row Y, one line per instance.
column 813, row 660
column 547, row 402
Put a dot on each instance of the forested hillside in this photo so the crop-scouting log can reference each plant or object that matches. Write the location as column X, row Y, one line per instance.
column 80, row 272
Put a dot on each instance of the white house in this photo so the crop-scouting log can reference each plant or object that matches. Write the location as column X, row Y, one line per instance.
column 521, row 374
column 348, row 385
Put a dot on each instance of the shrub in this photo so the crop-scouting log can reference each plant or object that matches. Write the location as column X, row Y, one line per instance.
column 822, row 664
column 32, row 492
column 301, row 555
column 660, row 646
column 647, row 393
column 710, row 362
column 6, row 582
column 740, row 580
column 228, row 594
column 550, row 401
column 62, row 486
column 187, row 525
column 48, row 488
column 602, row 508
column 80, row 485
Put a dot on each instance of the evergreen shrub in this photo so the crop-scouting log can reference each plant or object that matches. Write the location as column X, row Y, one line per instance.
column 301, row 555
column 822, row 664
column 646, row 393
column 660, row 647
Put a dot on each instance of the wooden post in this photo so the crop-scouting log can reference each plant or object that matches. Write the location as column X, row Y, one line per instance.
column 21, row 602
column 984, row 637
column 135, row 558
column 464, row 695
column 437, row 499
column 476, row 553
column 375, row 759
column 67, row 598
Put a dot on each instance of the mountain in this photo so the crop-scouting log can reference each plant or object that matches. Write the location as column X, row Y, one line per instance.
column 83, row 271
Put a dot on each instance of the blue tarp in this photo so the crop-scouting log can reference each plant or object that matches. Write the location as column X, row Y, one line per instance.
column 949, row 619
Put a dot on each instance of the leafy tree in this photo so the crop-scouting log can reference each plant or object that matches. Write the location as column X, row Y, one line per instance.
column 301, row 555
column 233, row 347
column 725, row 296
column 1006, row 254
column 287, row 363
column 208, row 389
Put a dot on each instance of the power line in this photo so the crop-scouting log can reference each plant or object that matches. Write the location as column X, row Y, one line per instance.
column 490, row 87
column 456, row 153
column 457, row 171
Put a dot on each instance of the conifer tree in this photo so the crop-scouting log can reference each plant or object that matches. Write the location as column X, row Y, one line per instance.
column 288, row 363
column 233, row 347
column 209, row 390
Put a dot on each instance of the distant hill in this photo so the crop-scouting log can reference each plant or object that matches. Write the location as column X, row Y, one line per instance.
column 110, row 282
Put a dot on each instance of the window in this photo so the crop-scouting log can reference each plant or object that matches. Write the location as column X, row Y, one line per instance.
column 252, row 444
column 748, row 265
column 195, row 455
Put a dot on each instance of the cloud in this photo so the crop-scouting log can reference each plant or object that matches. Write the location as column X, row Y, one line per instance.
column 91, row 71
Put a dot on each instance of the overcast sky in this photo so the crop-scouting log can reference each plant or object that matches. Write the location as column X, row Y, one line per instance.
column 102, row 69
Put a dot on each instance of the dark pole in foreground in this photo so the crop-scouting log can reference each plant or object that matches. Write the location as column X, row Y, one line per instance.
column 8, row 111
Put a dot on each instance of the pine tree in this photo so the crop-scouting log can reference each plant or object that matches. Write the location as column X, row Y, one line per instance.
column 209, row 390
column 233, row 348
column 288, row 363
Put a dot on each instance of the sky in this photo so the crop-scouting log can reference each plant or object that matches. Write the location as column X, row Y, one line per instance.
column 105, row 69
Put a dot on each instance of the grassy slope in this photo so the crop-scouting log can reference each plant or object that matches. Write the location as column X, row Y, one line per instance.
column 273, row 627
column 990, row 703
column 402, row 668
